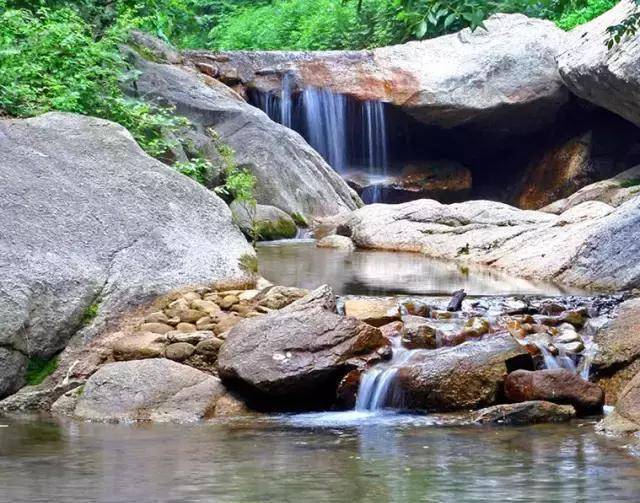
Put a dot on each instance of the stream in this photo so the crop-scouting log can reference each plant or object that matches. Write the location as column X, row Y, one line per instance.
column 332, row 457
column 369, row 454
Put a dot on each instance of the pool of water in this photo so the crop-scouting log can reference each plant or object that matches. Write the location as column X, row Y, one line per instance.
column 340, row 457
column 300, row 263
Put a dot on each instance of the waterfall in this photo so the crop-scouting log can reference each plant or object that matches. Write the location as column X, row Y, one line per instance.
column 345, row 133
column 377, row 388
column 326, row 123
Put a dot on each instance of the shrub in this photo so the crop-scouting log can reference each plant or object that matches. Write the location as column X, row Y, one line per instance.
column 38, row 370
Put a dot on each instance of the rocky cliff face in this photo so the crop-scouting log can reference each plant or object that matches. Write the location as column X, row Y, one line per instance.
column 610, row 78
column 504, row 77
column 290, row 175
column 91, row 224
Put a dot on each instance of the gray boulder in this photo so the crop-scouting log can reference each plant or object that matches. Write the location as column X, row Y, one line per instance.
column 90, row 223
column 590, row 245
column 468, row 376
column 290, row 175
column 610, row 78
column 295, row 357
column 625, row 419
column 504, row 78
column 156, row 390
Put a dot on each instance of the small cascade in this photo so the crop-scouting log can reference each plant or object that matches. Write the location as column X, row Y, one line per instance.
column 377, row 388
column 326, row 124
column 346, row 132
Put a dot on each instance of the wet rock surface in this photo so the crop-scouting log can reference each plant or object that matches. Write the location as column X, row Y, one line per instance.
column 297, row 355
column 555, row 385
column 625, row 419
column 530, row 412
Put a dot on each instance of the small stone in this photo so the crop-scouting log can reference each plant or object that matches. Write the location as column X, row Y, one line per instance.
column 418, row 333
column 189, row 297
column 190, row 337
column 156, row 328
column 191, row 315
column 138, row 346
column 242, row 310
column 248, row 295
column 479, row 326
column 376, row 312
column 205, row 321
column 567, row 337
column 186, row 327
column 173, row 321
column 228, row 301
column 530, row 412
column 174, row 309
column 179, row 351
column 209, row 347
column 416, row 308
column 206, row 306
column 226, row 323
column 577, row 317
column 253, row 314
column 573, row 347
column 157, row 317
column 393, row 329
column 441, row 315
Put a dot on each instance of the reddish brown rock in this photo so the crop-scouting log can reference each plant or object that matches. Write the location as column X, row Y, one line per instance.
column 555, row 385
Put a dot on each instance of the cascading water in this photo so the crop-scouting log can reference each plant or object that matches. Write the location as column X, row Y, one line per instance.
column 377, row 388
column 346, row 134
column 326, row 124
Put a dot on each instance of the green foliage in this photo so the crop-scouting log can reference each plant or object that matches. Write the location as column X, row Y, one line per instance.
column 239, row 183
column 197, row 169
column 627, row 27
column 573, row 17
column 51, row 60
column 90, row 313
column 38, row 370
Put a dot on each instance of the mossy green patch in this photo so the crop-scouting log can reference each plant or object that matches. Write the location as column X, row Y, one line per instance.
column 267, row 230
column 631, row 182
column 38, row 369
column 299, row 219
column 90, row 313
column 248, row 263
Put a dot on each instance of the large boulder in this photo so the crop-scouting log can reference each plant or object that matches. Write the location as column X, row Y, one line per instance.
column 608, row 77
column 555, row 385
column 501, row 78
column 590, row 245
column 617, row 342
column 295, row 357
column 90, row 226
column 156, row 390
column 468, row 376
column 625, row 419
column 290, row 175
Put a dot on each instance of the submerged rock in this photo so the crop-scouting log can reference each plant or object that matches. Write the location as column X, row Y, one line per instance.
column 156, row 390
column 95, row 226
column 337, row 242
column 555, row 385
column 295, row 357
column 468, row 376
column 531, row 412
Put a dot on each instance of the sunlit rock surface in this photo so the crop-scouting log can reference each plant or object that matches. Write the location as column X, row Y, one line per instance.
column 610, row 78
column 502, row 78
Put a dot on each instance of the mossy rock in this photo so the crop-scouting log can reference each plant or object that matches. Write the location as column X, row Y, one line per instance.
column 269, row 230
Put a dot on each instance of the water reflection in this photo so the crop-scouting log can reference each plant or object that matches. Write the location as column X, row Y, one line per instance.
column 314, row 459
column 302, row 264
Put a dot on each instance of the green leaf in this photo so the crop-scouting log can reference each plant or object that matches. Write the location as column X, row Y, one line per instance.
column 421, row 29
